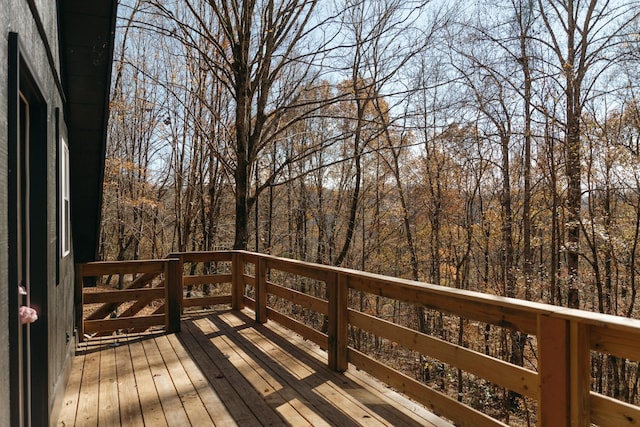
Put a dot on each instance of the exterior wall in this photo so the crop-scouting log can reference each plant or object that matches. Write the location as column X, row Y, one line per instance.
column 4, row 268
column 17, row 17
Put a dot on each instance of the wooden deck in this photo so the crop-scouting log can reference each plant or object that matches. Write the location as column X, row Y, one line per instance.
column 224, row 369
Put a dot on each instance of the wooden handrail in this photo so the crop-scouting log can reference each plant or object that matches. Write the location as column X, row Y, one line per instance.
column 565, row 338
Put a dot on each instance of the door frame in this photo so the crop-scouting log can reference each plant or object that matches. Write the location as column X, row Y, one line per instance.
column 28, row 345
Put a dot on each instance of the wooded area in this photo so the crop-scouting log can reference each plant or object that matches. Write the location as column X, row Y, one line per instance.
column 492, row 146
column 494, row 152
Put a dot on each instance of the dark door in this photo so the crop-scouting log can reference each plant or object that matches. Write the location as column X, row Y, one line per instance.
column 22, row 264
column 27, row 243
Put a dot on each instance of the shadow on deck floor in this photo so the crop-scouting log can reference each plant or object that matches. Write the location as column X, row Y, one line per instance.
column 224, row 369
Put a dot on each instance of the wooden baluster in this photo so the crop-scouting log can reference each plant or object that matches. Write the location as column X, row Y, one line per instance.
column 261, row 290
column 237, row 279
column 337, row 293
column 580, row 365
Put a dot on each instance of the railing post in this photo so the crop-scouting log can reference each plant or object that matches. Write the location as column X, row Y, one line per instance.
column 580, row 363
column 337, row 294
column 554, row 371
column 179, row 256
column 78, row 301
column 564, row 369
column 261, row 290
column 237, row 279
column 173, row 294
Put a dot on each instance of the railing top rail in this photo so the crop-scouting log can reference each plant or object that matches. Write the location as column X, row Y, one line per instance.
column 201, row 253
column 96, row 268
column 127, row 262
column 514, row 305
column 410, row 290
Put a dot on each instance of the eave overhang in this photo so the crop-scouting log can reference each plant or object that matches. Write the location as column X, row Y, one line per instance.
column 87, row 31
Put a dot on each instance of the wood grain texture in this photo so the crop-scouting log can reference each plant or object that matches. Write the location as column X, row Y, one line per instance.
column 224, row 369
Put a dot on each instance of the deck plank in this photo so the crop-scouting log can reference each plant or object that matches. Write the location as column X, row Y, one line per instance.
column 224, row 369
column 193, row 406
column 296, row 373
column 331, row 387
column 69, row 410
column 211, row 401
column 290, row 372
column 265, row 385
column 352, row 397
column 173, row 410
column 152, row 413
column 130, row 411
column 397, row 402
column 90, row 387
column 242, row 387
column 232, row 401
column 108, row 404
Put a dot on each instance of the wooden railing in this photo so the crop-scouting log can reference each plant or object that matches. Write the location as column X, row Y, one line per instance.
column 202, row 270
column 564, row 339
column 141, row 284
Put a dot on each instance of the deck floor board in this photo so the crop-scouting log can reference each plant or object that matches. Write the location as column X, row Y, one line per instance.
column 130, row 415
column 87, row 414
column 67, row 416
column 108, row 404
column 224, row 369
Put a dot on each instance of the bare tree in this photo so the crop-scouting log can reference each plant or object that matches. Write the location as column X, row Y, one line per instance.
column 384, row 37
column 131, row 196
column 583, row 37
